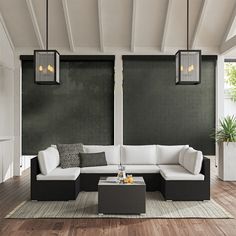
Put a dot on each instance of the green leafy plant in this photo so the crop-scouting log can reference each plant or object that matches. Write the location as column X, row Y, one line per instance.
column 231, row 79
column 226, row 132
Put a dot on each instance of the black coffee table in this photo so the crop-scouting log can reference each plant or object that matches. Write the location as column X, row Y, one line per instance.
column 116, row 198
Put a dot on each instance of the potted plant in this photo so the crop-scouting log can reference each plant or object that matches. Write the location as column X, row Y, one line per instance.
column 225, row 136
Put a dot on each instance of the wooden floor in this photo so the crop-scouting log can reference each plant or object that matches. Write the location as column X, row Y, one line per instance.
column 16, row 190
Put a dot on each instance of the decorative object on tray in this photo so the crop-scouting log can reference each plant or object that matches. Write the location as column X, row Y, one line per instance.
column 121, row 176
column 129, row 179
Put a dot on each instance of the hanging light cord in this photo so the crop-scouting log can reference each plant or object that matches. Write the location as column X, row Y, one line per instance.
column 187, row 24
column 46, row 24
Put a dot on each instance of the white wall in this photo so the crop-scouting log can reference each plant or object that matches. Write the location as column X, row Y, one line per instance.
column 17, row 118
column 6, row 106
column 219, row 96
column 229, row 107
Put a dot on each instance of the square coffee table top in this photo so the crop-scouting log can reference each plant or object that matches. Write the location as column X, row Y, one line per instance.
column 113, row 181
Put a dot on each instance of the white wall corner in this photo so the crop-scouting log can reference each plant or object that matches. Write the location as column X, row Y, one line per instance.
column 219, row 95
column 220, row 88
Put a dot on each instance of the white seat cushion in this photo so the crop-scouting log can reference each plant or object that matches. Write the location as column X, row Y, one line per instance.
column 177, row 172
column 61, row 174
column 112, row 152
column 141, row 169
column 48, row 160
column 138, row 155
column 100, row 169
column 169, row 154
column 191, row 160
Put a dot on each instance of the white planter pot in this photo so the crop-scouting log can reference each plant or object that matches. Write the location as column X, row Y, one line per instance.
column 227, row 161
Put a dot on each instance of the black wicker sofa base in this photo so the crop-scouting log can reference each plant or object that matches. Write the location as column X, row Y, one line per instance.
column 63, row 190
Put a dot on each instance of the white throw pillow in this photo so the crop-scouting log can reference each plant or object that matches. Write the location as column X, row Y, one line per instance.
column 112, row 152
column 138, row 155
column 192, row 161
column 169, row 154
column 48, row 160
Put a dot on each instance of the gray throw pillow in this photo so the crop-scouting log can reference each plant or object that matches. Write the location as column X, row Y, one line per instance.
column 69, row 154
column 92, row 159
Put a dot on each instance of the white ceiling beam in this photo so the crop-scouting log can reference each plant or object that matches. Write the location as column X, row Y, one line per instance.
column 166, row 25
column 229, row 25
column 134, row 13
column 7, row 33
column 228, row 45
column 100, row 25
column 198, row 26
column 35, row 23
column 68, row 25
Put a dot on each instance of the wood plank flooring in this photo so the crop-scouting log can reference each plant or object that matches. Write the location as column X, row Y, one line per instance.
column 16, row 190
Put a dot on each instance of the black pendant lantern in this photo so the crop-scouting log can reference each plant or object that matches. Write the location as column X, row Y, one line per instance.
column 47, row 62
column 188, row 62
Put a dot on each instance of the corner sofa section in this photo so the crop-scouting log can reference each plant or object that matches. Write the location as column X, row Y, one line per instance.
column 187, row 188
column 58, row 188
column 159, row 166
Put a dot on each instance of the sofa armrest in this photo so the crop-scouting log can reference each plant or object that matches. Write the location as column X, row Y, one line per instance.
column 206, row 169
column 34, row 168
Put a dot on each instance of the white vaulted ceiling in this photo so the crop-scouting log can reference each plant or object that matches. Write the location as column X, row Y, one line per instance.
column 131, row 26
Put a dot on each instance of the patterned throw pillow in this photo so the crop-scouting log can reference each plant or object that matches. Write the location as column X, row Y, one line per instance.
column 69, row 154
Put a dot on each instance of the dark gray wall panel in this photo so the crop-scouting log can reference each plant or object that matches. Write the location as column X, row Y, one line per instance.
column 156, row 111
column 81, row 109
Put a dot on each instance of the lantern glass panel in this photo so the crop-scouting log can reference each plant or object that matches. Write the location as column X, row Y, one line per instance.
column 47, row 67
column 189, row 67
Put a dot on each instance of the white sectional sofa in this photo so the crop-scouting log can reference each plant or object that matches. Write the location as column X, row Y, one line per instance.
column 179, row 172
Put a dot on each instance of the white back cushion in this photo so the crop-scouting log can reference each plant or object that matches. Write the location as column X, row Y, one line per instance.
column 181, row 155
column 138, row 155
column 100, row 169
column 191, row 160
column 139, row 169
column 48, row 160
column 112, row 152
column 169, row 154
